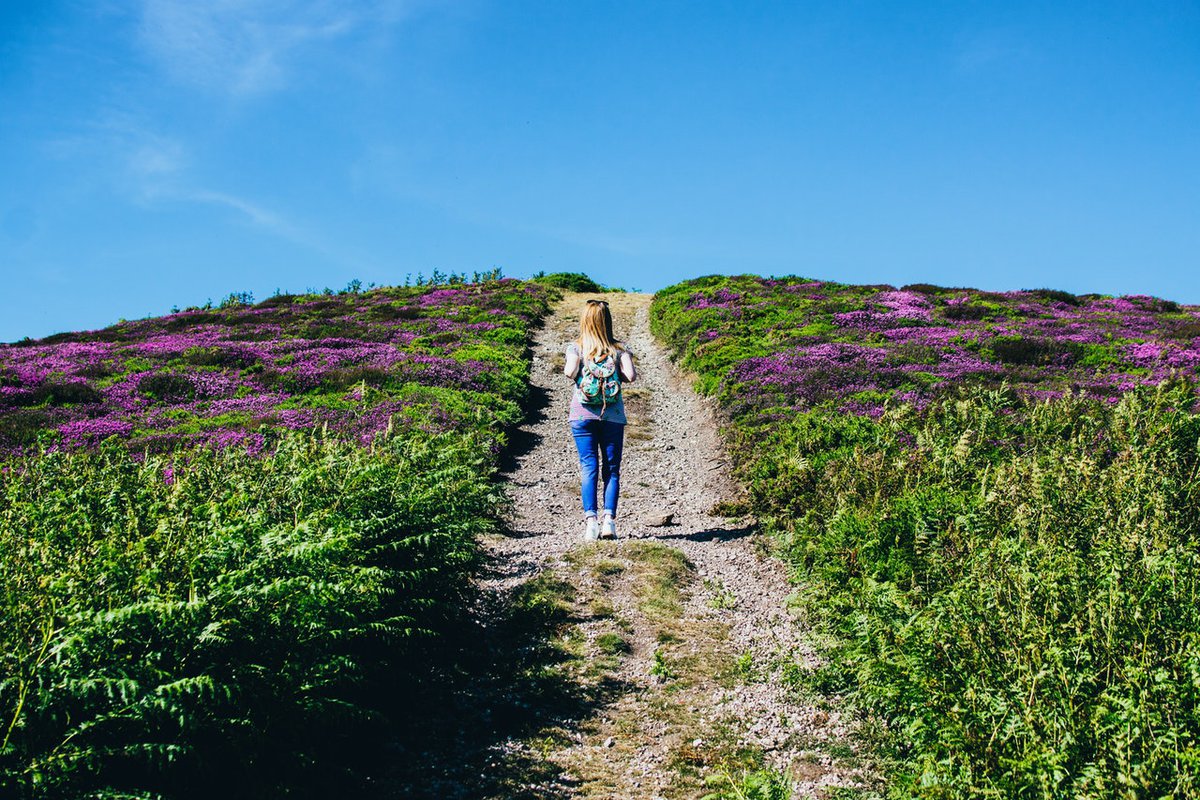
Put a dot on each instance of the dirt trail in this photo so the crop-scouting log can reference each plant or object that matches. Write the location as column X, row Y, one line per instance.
column 686, row 658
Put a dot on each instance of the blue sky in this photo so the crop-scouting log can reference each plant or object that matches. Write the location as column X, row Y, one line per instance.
column 158, row 153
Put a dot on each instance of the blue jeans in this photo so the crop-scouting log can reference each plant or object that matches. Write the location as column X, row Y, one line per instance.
column 606, row 438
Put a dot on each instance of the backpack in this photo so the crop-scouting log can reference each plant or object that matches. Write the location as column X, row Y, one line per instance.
column 599, row 382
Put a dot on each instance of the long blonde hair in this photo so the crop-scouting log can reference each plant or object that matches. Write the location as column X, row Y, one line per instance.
column 596, row 341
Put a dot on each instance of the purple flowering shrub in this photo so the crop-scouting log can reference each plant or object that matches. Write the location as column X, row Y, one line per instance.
column 992, row 502
column 354, row 364
column 792, row 344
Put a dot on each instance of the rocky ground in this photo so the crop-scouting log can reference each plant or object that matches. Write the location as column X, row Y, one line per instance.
column 658, row 665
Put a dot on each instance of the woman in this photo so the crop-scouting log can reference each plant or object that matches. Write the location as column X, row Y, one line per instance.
column 598, row 364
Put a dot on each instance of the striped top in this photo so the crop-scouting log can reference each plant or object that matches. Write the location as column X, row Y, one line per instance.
column 613, row 412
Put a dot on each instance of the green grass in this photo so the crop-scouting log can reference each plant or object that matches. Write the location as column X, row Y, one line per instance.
column 612, row 644
column 720, row 596
column 748, row 785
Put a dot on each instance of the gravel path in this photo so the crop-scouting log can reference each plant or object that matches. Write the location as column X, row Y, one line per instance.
column 673, row 464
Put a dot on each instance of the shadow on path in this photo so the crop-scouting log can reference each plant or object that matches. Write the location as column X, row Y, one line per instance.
column 513, row 685
column 710, row 535
column 523, row 441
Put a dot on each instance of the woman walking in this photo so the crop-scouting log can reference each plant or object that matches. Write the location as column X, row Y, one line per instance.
column 599, row 365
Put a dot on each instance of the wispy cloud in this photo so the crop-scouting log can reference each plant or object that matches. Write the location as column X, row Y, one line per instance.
column 245, row 47
column 257, row 215
column 155, row 157
column 982, row 50
column 118, row 148
column 150, row 169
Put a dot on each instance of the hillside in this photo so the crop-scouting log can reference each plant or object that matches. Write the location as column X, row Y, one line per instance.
column 874, row 541
column 353, row 363
column 991, row 505
column 793, row 344
column 237, row 543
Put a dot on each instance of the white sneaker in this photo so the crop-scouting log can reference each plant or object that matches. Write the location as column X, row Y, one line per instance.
column 608, row 529
column 591, row 530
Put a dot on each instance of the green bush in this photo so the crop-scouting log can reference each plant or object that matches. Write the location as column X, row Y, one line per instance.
column 218, row 624
column 570, row 281
column 1017, row 593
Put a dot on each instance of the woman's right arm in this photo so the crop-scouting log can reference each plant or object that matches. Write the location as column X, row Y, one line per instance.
column 572, row 363
column 628, row 370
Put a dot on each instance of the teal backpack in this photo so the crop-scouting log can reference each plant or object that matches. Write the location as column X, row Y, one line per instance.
column 599, row 382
